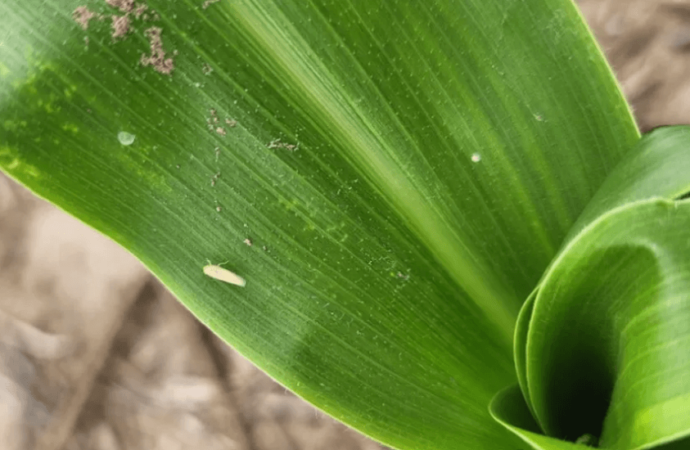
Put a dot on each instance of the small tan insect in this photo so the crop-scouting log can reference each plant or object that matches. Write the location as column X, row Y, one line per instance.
column 225, row 275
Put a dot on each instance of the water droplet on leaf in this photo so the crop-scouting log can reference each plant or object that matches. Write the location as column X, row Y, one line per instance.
column 125, row 138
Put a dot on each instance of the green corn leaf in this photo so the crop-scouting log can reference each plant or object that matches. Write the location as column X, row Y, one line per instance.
column 391, row 179
column 510, row 410
column 601, row 347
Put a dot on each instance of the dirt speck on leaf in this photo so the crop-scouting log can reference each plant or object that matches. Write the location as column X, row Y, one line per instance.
column 121, row 26
column 232, row 123
column 248, row 242
column 82, row 15
column 157, row 57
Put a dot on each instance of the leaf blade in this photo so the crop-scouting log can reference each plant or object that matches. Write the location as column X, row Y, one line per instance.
column 588, row 342
column 379, row 296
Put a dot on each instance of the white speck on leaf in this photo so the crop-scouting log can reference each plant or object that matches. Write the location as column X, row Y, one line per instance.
column 208, row 3
column 476, row 157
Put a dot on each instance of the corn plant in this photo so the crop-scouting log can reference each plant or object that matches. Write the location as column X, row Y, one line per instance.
column 435, row 220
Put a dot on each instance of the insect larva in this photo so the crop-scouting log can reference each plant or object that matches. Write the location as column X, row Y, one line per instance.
column 225, row 275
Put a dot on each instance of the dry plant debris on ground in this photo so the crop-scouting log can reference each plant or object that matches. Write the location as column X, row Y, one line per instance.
column 648, row 44
column 94, row 354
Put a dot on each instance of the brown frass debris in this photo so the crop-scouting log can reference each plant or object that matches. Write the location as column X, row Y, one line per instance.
column 140, row 10
column 121, row 26
column 126, row 6
column 277, row 143
column 82, row 15
column 157, row 57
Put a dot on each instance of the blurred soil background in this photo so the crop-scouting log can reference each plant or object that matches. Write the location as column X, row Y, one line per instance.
column 96, row 355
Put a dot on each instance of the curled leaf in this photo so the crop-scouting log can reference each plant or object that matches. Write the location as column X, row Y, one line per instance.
column 604, row 344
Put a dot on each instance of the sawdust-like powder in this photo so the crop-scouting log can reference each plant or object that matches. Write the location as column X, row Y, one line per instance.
column 126, row 6
column 140, row 10
column 277, row 143
column 157, row 57
column 82, row 15
column 121, row 26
